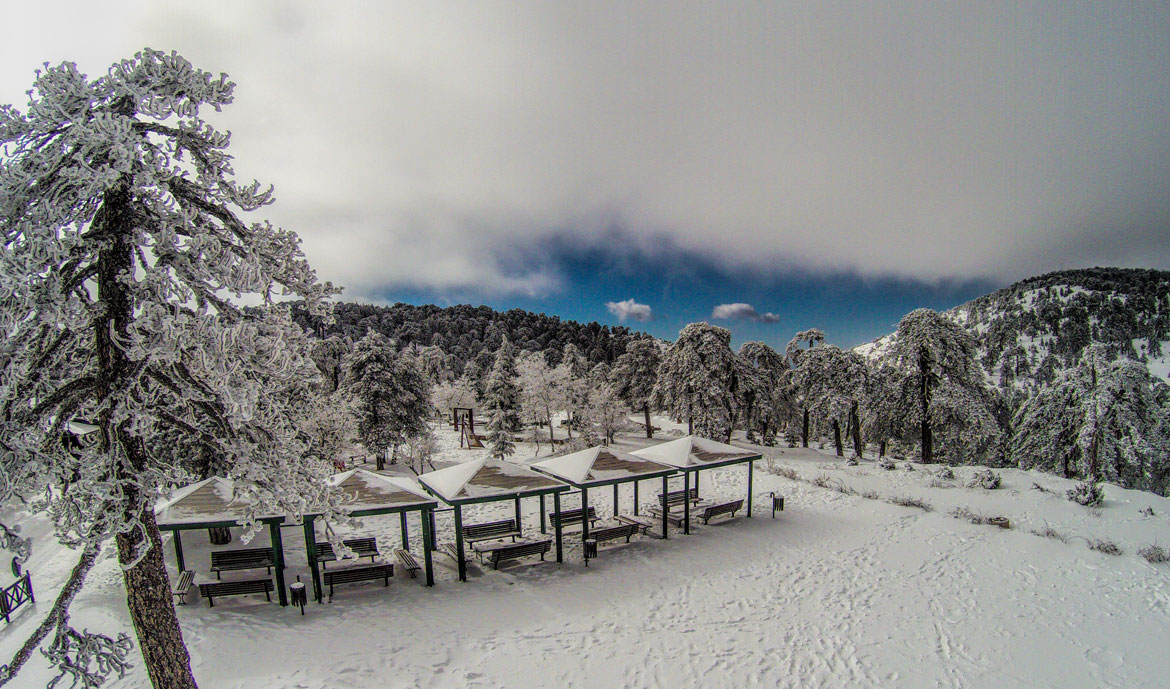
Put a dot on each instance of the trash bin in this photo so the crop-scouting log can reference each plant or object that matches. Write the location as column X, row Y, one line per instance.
column 590, row 550
column 298, row 595
column 777, row 503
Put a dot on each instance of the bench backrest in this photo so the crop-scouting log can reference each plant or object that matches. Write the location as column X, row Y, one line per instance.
column 613, row 531
column 226, row 557
column 488, row 529
column 221, row 588
column 338, row 576
column 357, row 544
column 733, row 506
column 519, row 549
column 677, row 497
column 575, row 516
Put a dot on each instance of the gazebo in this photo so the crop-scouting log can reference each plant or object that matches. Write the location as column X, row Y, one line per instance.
column 212, row 503
column 369, row 494
column 601, row 466
column 489, row 480
column 691, row 455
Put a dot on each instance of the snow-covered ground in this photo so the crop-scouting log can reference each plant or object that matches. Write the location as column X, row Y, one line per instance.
column 837, row 591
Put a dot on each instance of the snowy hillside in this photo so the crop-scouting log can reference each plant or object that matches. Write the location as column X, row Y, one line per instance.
column 1027, row 333
column 842, row 589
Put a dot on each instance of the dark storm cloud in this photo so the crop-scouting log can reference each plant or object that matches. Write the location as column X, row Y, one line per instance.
column 419, row 144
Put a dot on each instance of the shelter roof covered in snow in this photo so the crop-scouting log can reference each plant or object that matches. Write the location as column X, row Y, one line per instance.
column 601, row 466
column 211, row 500
column 486, row 479
column 693, row 452
column 365, row 491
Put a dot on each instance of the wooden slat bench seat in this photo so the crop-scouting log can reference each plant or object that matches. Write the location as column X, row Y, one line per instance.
column 363, row 573
column 183, row 585
column 488, row 531
column 235, row 588
column 449, row 549
column 407, row 561
column 676, row 498
column 570, row 517
column 243, row 558
column 729, row 508
column 497, row 553
column 675, row 518
column 612, row 533
column 361, row 547
column 643, row 523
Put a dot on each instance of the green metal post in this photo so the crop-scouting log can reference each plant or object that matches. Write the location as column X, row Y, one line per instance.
column 278, row 565
column 459, row 543
column 696, row 485
column 519, row 524
column 178, row 540
column 405, row 531
column 635, row 497
column 584, row 514
column 543, row 528
column 615, row 499
column 665, row 533
column 687, row 502
column 428, row 519
column 311, row 554
column 434, row 530
column 557, row 525
column 749, row 498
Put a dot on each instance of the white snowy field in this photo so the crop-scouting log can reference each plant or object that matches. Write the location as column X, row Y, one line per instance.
column 837, row 591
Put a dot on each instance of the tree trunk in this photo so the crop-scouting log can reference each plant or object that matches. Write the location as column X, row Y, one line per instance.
column 804, row 430
column 646, row 413
column 924, row 399
column 882, row 449
column 148, row 592
column 152, row 609
column 855, row 422
column 837, row 438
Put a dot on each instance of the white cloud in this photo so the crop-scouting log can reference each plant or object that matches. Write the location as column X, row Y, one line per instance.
column 629, row 309
column 741, row 311
column 412, row 143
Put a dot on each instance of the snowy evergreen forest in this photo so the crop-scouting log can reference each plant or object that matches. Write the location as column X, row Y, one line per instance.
column 1063, row 372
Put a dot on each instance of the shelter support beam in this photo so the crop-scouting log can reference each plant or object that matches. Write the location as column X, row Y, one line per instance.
column 584, row 514
column 519, row 524
column 615, row 500
column 749, row 495
column 543, row 528
column 177, row 538
column 459, row 543
column 405, row 531
column 278, row 563
column 665, row 533
column 311, row 555
column 687, row 501
column 557, row 526
column 635, row 497
column 428, row 526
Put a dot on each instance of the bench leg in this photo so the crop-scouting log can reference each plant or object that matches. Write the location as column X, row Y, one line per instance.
column 210, row 602
column 267, row 596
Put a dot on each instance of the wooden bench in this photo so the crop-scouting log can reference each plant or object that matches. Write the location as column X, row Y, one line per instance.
column 449, row 549
column 361, row 547
column 245, row 558
column 569, row 517
column 407, row 561
column 488, row 531
column 642, row 523
column 183, row 585
column 235, row 588
column 612, row 533
column 724, row 508
column 363, row 573
column 676, row 498
column 512, row 551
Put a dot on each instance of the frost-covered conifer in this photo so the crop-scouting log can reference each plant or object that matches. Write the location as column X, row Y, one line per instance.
column 768, row 404
column 634, row 374
column 123, row 252
column 698, row 380
column 833, row 383
column 794, row 354
column 501, row 402
column 389, row 396
column 541, row 393
column 930, row 350
column 1102, row 420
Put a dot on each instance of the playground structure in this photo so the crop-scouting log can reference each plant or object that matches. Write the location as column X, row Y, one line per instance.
column 463, row 420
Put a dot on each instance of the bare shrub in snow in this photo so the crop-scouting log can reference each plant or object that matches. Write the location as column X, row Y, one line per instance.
column 870, row 495
column 908, row 466
column 945, row 473
column 853, row 461
column 984, row 478
column 939, row 483
column 1042, row 489
column 1146, row 511
column 908, row 501
column 969, row 515
column 781, row 470
column 1087, row 493
column 1154, row 553
column 1104, row 545
column 887, row 464
column 1049, row 532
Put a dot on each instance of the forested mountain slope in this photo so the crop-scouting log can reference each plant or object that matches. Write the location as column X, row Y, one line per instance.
column 1029, row 332
column 466, row 332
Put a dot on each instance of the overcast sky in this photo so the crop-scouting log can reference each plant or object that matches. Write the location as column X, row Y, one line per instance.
column 668, row 159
